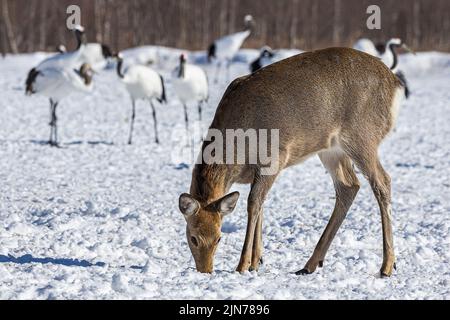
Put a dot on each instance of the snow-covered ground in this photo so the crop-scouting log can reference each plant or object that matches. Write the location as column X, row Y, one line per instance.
column 98, row 219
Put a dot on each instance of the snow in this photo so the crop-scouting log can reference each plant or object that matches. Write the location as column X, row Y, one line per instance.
column 98, row 219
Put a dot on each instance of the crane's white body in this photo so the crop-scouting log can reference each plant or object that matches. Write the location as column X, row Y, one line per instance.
column 388, row 59
column 228, row 46
column 92, row 54
column 193, row 87
column 190, row 84
column 224, row 49
column 69, row 60
column 278, row 55
column 144, row 55
column 63, row 60
column 58, row 83
column 388, row 56
column 143, row 82
column 367, row 46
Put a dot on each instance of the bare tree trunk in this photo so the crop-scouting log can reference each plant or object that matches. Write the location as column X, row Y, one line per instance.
column 99, row 13
column 416, row 24
column 206, row 22
column 9, row 27
column 315, row 22
column 30, row 25
column 3, row 44
column 294, row 22
column 337, row 22
column 43, row 25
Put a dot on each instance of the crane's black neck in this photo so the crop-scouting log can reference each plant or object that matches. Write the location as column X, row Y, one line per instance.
column 106, row 51
column 394, row 55
column 248, row 26
column 81, row 39
column 119, row 68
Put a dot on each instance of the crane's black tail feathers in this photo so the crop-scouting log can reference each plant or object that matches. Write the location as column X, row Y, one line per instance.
column 211, row 52
column 401, row 76
column 32, row 75
column 106, row 51
column 163, row 95
column 255, row 65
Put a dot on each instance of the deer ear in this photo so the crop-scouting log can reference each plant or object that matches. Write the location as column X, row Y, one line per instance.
column 188, row 205
column 226, row 204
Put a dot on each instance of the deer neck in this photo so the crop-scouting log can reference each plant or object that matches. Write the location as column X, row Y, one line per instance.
column 210, row 182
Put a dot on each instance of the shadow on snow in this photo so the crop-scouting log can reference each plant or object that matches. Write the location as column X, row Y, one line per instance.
column 28, row 258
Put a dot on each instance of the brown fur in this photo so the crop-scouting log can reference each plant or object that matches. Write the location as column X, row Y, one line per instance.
column 336, row 103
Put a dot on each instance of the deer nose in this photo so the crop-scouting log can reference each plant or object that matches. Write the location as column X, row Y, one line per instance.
column 204, row 267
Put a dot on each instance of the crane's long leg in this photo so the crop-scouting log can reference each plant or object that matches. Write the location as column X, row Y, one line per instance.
column 133, row 116
column 155, row 123
column 216, row 78
column 228, row 70
column 51, row 123
column 200, row 106
column 186, row 121
column 55, row 125
column 186, row 118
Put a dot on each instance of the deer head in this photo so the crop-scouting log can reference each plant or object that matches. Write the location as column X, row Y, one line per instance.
column 203, row 230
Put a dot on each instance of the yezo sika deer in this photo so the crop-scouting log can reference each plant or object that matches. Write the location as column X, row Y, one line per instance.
column 338, row 103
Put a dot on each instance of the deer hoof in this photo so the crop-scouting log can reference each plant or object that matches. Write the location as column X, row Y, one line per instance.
column 242, row 267
column 385, row 274
column 387, row 270
column 256, row 266
column 303, row 272
column 321, row 264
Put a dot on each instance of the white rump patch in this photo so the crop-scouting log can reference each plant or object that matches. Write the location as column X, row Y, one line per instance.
column 395, row 109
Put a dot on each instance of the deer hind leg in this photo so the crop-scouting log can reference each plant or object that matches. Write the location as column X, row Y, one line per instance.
column 260, row 187
column 368, row 162
column 346, row 185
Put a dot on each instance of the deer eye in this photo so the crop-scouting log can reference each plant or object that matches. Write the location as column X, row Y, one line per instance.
column 194, row 241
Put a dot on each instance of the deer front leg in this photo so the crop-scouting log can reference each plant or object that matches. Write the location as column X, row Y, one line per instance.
column 260, row 187
column 257, row 245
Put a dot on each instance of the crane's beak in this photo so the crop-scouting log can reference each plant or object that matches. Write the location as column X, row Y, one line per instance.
column 405, row 47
